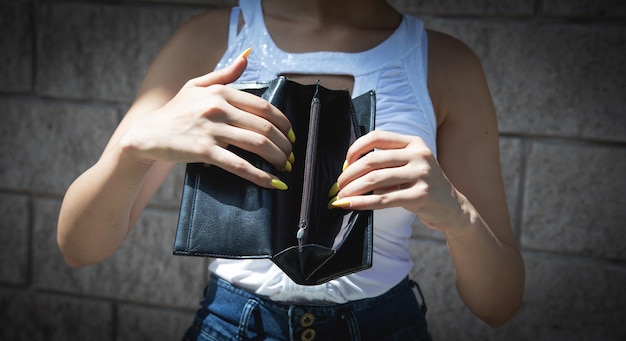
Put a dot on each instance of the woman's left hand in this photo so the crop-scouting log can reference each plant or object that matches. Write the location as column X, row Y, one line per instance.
column 391, row 170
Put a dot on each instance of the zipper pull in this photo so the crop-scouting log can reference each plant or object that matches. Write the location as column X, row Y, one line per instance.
column 300, row 234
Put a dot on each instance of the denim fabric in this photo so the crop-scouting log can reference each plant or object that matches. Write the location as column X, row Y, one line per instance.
column 230, row 313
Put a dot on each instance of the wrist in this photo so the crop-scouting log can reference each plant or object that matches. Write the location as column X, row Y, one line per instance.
column 125, row 161
column 128, row 152
column 468, row 220
column 448, row 214
column 466, row 227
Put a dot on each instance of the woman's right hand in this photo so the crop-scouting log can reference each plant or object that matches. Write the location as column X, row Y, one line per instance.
column 204, row 118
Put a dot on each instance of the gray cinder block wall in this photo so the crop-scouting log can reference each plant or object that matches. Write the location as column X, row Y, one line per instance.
column 556, row 68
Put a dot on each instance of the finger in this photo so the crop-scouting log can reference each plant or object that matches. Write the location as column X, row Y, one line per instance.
column 377, row 181
column 373, row 201
column 265, row 129
column 256, row 132
column 376, row 140
column 377, row 160
column 237, row 165
column 258, row 144
column 393, row 196
column 226, row 75
column 250, row 103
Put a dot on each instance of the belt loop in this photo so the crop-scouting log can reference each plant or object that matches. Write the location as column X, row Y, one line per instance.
column 419, row 291
column 353, row 325
column 291, row 315
column 250, row 307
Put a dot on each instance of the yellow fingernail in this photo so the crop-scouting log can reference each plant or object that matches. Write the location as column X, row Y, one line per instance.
column 291, row 136
column 291, row 158
column 334, row 190
column 341, row 203
column 279, row 184
column 331, row 202
column 345, row 165
column 245, row 53
column 288, row 166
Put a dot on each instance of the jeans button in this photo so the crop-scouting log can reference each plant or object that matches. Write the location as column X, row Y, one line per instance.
column 307, row 319
column 308, row 334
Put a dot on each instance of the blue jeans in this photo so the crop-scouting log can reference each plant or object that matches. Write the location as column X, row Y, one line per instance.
column 230, row 313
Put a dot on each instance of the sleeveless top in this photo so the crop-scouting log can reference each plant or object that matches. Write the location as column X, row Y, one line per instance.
column 396, row 70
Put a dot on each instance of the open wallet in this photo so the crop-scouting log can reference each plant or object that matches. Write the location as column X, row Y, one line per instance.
column 225, row 216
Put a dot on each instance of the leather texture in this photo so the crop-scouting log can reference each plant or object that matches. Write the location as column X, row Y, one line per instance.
column 225, row 216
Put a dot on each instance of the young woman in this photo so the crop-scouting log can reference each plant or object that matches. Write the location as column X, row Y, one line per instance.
column 436, row 157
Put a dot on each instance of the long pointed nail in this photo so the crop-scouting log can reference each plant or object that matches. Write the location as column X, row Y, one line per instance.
column 333, row 190
column 345, row 165
column 341, row 203
column 288, row 166
column 291, row 136
column 291, row 158
column 279, row 184
column 245, row 53
column 331, row 202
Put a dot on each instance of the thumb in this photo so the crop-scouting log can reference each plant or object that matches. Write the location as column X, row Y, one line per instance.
column 226, row 75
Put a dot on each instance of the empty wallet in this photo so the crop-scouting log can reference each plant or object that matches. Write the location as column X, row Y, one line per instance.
column 224, row 216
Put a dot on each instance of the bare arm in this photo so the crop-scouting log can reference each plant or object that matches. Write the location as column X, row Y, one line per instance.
column 102, row 205
column 461, row 193
column 175, row 118
column 488, row 264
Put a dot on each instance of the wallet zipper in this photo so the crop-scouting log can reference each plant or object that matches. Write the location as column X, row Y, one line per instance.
column 309, row 167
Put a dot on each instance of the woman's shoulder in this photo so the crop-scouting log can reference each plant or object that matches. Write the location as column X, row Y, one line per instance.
column 204, row 36
column 193, row 50
column 453, row 68
column 446, row 47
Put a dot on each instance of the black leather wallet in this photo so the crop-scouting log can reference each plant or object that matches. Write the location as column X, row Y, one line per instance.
column 225, row 216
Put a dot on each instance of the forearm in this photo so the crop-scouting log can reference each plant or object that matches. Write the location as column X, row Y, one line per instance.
column 96, row 213
column 489, row 273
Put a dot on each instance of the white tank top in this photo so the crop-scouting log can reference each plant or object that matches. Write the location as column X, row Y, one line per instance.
column 396, row 69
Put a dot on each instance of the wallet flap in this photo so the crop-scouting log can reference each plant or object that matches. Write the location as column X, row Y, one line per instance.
column 206, row 226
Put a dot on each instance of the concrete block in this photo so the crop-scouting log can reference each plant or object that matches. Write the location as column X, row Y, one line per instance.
column 433, row 270
column 170, row 192
column 204, row 3
column 16, row 37
column 511, row 153
column 143, row 269
column 456, row 7
column 34, row 316
column 584, row 8
column 570, row 299
column 14, row 243
column 135, row 323
column 97, row 51
column 551, row 79
column 45, row 145
column 565, row 299
column 574, row 200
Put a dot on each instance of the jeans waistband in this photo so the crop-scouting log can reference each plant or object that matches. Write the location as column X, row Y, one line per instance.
column 350, row 321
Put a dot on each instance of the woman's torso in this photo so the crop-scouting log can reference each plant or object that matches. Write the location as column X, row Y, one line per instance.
column 396, row 68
